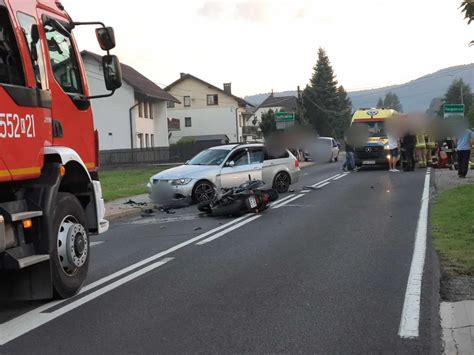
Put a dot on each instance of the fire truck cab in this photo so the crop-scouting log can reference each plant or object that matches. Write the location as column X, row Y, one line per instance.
column 50, row 194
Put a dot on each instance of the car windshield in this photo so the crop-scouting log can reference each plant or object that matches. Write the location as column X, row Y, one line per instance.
column 375, row 129
column 209, row 157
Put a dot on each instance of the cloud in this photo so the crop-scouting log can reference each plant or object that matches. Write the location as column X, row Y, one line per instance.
column 212, row 9
column 252, row 10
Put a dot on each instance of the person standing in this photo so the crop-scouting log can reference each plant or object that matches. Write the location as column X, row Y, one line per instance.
column 394, row 153
column 349, row 164
column 464, row 151
column 421, row 150
column 409, row 143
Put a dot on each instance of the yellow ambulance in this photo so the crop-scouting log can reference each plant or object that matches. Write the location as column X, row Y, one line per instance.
column 375, row 151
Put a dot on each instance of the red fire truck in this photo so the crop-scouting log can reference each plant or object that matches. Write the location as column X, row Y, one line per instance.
column 50, row 194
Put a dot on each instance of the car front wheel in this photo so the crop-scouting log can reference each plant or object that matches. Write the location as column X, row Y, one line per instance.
column 203, row 191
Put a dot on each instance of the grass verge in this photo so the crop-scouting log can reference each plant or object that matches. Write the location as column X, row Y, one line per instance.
column 124, row 182
column 453, row 230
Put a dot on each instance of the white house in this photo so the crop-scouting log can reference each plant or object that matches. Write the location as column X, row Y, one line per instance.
column 206, row 110
column 276, row 104
column 135, row 116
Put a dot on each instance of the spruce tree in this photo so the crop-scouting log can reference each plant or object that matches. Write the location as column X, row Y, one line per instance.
column 320, row 97
column 380, row 103
column 343, row 120
column 392, row 101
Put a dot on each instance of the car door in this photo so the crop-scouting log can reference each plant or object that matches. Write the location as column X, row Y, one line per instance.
column 236, row 169
column 272, row 165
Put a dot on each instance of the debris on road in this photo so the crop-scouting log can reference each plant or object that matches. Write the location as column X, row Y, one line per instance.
column 134, row 203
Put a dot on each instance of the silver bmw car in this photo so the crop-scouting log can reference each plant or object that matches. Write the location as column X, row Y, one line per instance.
column 223, row 167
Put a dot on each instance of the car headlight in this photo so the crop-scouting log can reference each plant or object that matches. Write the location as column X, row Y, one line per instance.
column 387, row 147
column 179, row 182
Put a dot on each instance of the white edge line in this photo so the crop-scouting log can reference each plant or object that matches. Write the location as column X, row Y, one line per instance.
column 37, row 311
column 289, row 201
column 24, row 324
column 94, row 244
column 228, row 230
column 410, row 320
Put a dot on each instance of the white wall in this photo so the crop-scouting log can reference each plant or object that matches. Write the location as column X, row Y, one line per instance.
column 206, row 121
column 111, row 116
column 218, row 119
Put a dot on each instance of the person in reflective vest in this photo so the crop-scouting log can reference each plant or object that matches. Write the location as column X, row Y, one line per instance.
column 430, row 149
column 421, row 150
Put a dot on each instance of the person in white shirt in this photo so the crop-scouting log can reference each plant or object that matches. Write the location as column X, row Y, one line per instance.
column 394, row 153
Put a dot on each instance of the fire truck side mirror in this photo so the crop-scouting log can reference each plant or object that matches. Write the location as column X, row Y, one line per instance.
column 106, row 38
column 112, row 72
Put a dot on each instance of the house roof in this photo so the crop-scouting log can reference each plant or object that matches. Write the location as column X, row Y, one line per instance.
column 208, row 137
column 183, row 77
column 138, row 81
column 289, row 102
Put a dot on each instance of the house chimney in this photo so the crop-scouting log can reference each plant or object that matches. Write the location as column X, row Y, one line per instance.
column 182, row 75
column 228, row 88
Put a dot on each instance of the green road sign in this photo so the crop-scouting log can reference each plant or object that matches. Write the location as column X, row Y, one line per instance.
column 454, row 108
column 284, row 117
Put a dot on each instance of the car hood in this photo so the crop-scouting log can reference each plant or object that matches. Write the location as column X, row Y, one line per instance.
column 187, row 171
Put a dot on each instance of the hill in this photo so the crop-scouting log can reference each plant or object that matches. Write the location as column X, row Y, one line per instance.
column 414, row 95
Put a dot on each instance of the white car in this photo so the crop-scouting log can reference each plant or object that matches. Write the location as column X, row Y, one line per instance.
column 220, row 167
column 325, row 149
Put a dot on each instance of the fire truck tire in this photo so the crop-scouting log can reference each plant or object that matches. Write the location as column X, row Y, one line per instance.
column 70, row 246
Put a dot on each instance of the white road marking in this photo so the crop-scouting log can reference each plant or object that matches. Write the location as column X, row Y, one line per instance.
column 288, row 201
column 304, row 191
column 228, row 230
column 29, row 321
column 410, row 320
column 94, row 244
column 328, row 179
column 322, row 185
column 281, row 200
column 37, row 312
column 340, row 177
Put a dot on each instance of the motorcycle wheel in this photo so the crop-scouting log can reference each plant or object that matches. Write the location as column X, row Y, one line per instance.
column 236, row 208
column 273, row 194
column 205, row 206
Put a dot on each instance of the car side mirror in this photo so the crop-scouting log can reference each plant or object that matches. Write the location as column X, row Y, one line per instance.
column 231, row 164
column 106, row 38
column 112, row 72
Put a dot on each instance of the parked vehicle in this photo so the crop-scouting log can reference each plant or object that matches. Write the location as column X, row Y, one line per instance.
column 50, row 193
column 325, row 149
column 247, row 198
column 375, row 151
column 223, row 167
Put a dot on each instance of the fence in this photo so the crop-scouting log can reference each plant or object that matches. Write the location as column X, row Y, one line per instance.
column 175, row 153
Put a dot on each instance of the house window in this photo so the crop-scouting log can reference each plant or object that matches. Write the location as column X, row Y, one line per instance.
column 145, row 109
column 147, row 144
column 170, row 104
column 187, row 101
column 152, row 139
column 150, row 110
column 212, row 100
column 140, row 140
column 140, row 109
column 187, row 122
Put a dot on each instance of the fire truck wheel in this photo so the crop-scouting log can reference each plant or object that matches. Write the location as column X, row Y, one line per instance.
column 70, row 256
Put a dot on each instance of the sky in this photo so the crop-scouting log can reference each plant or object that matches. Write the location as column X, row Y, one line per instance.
column 263, row 45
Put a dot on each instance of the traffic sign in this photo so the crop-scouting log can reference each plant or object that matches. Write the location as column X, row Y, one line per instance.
column 284, row 117
column 454, row 108
column 453, row 111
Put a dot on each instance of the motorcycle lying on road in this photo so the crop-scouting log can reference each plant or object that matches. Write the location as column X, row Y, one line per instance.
column 247, row 198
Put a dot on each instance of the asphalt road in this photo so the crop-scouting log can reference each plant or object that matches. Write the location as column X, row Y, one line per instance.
column 324, row 272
